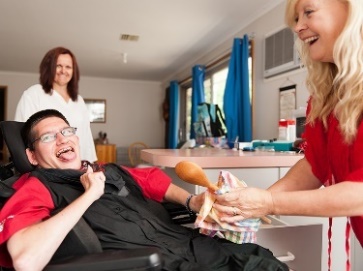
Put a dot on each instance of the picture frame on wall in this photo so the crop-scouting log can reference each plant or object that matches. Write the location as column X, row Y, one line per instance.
column 287, row 101
column 96, row 109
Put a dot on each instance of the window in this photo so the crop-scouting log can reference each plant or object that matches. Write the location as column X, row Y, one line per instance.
column 214, row 86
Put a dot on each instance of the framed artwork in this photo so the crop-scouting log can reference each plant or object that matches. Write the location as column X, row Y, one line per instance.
column 96, row 109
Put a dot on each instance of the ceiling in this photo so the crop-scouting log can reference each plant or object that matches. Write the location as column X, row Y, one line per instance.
column 172, row 34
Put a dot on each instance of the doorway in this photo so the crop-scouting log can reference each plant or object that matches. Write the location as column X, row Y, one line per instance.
column 3, row 99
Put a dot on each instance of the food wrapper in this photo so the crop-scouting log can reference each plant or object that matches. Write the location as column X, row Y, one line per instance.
column 208, row 221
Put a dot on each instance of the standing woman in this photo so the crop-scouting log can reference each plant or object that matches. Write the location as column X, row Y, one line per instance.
column 330, row 39
column 58, row 89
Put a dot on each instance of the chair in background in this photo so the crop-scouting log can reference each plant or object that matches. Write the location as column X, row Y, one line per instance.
column 134, row 152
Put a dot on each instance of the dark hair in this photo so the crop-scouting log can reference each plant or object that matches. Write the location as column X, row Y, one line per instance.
column 48, row 68
column 27, row 132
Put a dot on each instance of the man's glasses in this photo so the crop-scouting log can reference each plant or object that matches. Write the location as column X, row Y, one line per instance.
column 49, row 137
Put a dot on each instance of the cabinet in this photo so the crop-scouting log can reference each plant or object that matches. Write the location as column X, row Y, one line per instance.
column 106, row 153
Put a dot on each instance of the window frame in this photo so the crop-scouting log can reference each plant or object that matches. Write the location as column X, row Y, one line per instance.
column 211, row 69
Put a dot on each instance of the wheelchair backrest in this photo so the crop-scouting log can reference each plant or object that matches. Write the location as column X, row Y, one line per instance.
column 12, row 135
column 82, row 239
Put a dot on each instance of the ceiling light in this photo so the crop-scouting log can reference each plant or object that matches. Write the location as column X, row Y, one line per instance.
column 124, row 57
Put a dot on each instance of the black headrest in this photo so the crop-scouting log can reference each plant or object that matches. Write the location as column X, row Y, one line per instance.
column 12, row 136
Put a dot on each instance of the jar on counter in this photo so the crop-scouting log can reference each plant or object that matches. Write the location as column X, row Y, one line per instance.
column 282, row 129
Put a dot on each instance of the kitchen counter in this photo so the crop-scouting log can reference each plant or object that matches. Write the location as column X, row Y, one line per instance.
column 220, row 158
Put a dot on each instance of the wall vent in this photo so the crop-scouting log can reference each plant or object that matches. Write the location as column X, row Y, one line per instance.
column 280, row 56
column 128, row 37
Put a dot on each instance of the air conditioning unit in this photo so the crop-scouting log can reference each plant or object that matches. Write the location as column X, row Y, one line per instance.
column 279, row 53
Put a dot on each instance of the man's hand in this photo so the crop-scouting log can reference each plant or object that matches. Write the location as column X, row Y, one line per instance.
column 93, row 182
column 196, row 202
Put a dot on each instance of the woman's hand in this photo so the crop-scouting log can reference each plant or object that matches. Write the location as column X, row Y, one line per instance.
column 242, row 203
column 93, row 182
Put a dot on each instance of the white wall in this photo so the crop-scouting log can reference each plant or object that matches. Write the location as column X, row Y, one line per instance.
column 133, row 107
column 266, row 104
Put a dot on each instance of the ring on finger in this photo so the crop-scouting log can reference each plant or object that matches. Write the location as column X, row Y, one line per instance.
column 234, row 211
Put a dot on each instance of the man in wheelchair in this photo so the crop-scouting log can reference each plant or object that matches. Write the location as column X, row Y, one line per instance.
column 122, row 208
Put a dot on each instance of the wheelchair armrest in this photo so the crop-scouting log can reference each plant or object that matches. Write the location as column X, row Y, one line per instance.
column 133, row 259
column 6, row 191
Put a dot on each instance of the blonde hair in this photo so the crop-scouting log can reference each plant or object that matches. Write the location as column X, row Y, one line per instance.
column 336, row 87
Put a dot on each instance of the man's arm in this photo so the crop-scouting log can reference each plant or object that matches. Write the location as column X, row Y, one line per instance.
column 179, row 195
column 31, row 248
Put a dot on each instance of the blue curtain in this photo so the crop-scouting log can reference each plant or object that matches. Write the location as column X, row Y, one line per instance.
column 173, row 115
column 237, row 106
column 198, row 75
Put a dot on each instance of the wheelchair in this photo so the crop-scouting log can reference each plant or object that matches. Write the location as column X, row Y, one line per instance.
column 81, row 249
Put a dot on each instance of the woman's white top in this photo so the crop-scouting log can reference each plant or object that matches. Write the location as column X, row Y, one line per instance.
column 35, row 99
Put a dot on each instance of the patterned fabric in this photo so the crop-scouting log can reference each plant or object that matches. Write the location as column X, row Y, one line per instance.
column 208, row 221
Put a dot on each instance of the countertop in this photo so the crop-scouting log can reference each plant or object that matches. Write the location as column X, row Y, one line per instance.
column 219, row 158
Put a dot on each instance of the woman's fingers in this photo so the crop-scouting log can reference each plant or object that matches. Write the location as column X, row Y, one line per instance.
column 243, row 203
column 228, row 214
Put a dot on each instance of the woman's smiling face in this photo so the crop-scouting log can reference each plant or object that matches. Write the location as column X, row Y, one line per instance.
column 64, row 70
column 318, row 24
